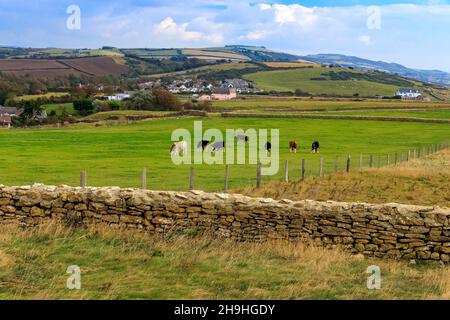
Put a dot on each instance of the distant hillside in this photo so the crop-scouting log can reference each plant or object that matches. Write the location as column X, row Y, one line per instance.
column 146, row 61
column 332, row 82
column 430, row 76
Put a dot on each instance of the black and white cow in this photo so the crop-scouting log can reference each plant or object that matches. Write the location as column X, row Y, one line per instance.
column 315, row 147
column 218, row 146
column 203, row 144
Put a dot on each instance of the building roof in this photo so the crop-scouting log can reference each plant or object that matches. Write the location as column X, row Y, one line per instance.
column 221, row 91
column 408, row 91
column 10, row 111
column 5, row 119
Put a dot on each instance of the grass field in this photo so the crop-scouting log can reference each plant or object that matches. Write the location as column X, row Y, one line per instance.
column 43, row 96
column 291, row 80
column 125, row 265
column 116, row 155
column 291, row 64
column 424, row 114
column 60, row 108
column 290, row 103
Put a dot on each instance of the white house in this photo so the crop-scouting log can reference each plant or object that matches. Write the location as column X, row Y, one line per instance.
column 118, row 97
column 409, row 93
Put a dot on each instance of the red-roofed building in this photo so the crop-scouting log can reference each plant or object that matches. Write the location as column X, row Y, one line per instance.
column 5, row 121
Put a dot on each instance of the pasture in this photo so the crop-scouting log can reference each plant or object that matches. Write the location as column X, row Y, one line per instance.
column 273, row 103
column 315, row 81
column 116, row 155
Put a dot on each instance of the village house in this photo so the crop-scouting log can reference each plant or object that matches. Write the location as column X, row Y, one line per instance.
column 410, row 94
column 6, row 115
column 118, row 97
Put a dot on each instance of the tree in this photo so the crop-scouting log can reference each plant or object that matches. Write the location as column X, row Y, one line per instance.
column 84, row 107
column 142, row 100
column 165, row 100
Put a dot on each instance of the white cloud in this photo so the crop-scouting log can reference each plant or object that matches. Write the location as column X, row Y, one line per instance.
column 173, row 31
column 294, row 13
column 365, row 39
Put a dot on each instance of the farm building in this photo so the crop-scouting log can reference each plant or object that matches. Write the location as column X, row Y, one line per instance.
column 6, row 115
column 222, row 94
column 10, row 111
column 409, row 93
column 5, row 121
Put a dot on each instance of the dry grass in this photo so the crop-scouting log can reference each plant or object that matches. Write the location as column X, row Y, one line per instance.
column 119, row 264
column 418, row 182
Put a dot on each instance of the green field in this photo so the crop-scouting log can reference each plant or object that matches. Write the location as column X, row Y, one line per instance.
column 431, row 114
column 116, row 155
column 291, row 104
column 425, row 114
column 60, row 108
column 291, row 80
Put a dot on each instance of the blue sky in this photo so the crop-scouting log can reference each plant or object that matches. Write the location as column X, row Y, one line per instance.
column 415, row 33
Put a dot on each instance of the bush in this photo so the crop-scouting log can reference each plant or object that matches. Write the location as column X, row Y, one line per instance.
column 84, row 107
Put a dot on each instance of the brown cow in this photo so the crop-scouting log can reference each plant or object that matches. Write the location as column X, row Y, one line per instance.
column 293, row 146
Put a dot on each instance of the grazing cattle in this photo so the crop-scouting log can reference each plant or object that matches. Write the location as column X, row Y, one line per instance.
column 203, row 144
column 178, row 147
column 293, row 146
column 268, row 147
column 218, row 146
column 315, row 147
column 243, row 138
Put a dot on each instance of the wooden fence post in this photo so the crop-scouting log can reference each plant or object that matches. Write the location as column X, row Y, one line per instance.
column 191, row 179
column 396, row 158
column 388, row 159
column 303, row 169
column 83, row 179
column 360, row 161
column 321, row 168
column 144, row 179
column 348, row 163
column 408, row 156
column 336, row 164
column 258, row 175
column 225, row 184
column 286, row 171
column 371, row 161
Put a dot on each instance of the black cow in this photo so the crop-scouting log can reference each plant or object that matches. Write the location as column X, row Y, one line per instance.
column 315, row 147
column 203, row 144
column 268, row 147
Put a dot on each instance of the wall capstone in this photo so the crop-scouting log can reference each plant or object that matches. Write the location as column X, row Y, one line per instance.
column 385, row 230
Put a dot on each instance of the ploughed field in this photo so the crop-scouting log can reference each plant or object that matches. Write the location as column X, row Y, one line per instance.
column 116, row 155
column 51, row 68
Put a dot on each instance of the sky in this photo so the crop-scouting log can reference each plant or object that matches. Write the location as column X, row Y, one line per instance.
column 415, row 33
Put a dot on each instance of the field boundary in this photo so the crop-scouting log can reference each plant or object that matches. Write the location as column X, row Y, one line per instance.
column 333, row 117
column 384, row 230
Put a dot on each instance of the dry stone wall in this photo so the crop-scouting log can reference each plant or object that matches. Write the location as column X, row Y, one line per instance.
column 388, row 230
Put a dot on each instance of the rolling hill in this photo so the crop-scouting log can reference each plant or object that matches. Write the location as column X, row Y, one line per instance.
column 332, row 82
column 430, row 76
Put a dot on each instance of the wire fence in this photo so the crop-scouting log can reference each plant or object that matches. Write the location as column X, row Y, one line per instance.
column 301, row 170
